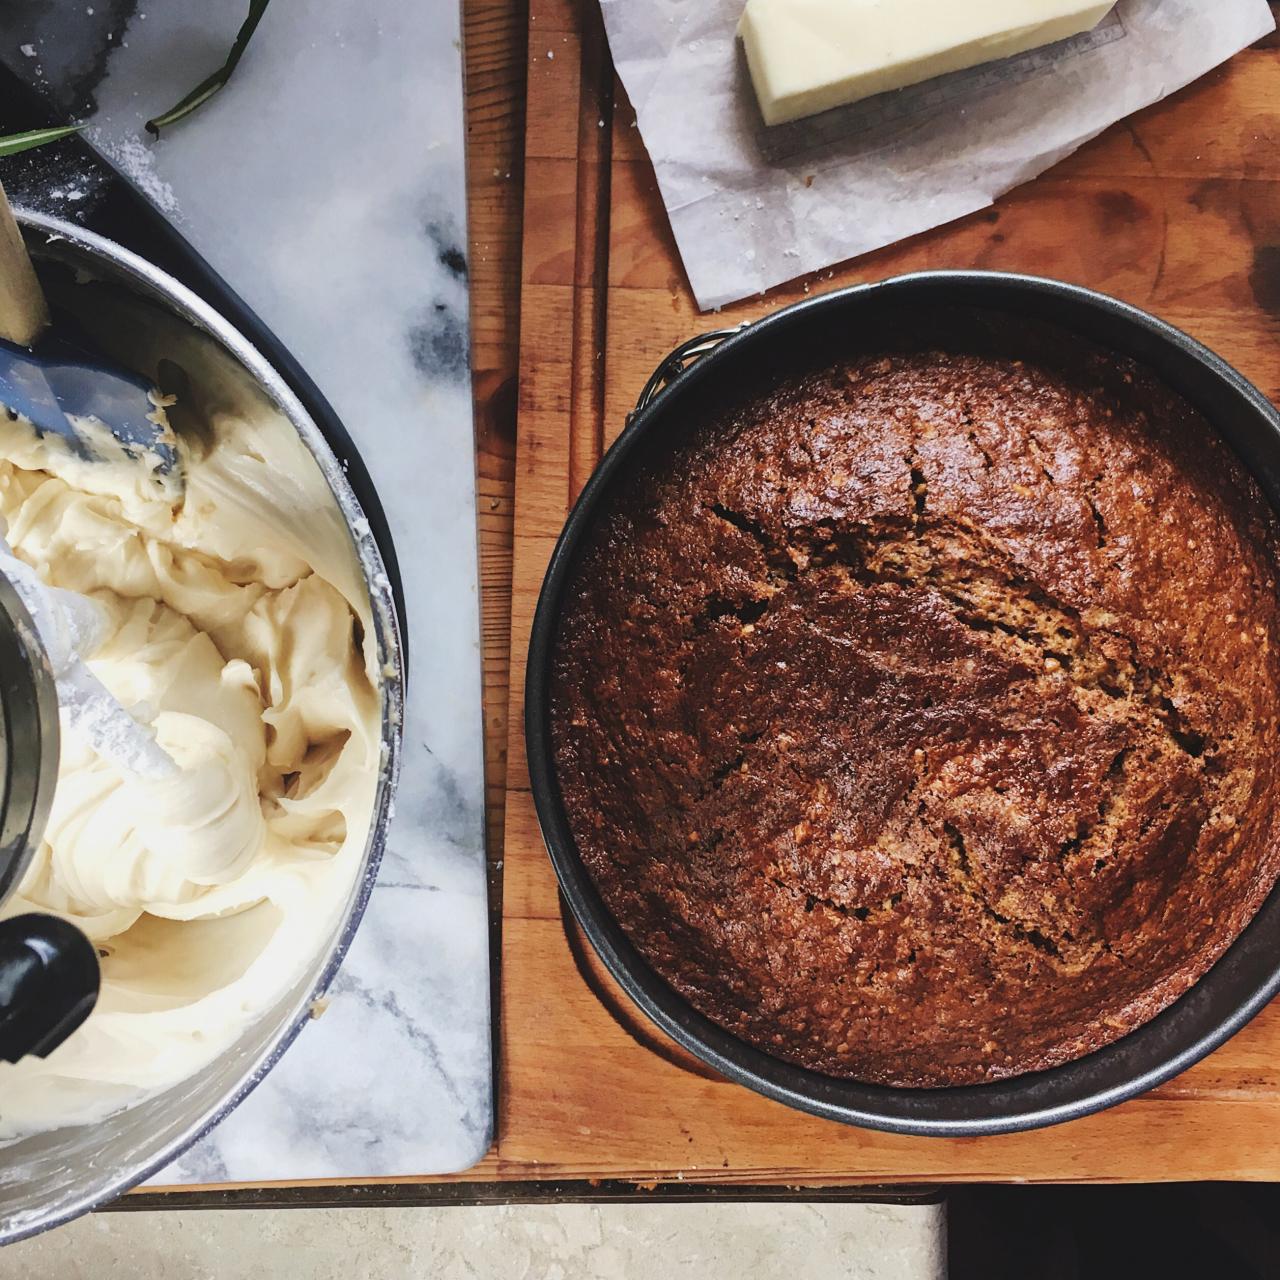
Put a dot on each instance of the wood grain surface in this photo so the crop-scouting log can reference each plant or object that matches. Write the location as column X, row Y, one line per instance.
column 1176, row 210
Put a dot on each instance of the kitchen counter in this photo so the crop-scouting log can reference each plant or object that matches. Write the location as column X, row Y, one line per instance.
column 1211, row 148
column 1116, row 187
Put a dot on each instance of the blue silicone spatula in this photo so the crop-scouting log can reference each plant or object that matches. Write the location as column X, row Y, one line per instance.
column 62, row 387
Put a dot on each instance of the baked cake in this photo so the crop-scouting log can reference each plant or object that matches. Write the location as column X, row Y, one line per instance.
column 916, row 714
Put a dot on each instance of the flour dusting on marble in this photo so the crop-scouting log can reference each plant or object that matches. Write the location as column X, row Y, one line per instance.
column 136, row 160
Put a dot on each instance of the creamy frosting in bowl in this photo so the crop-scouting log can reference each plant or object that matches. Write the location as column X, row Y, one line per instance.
column 238, row 627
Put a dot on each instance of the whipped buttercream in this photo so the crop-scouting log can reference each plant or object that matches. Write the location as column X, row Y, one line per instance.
column 238, row 629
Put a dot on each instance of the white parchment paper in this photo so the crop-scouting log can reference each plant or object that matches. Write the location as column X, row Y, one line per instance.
column 752, row 206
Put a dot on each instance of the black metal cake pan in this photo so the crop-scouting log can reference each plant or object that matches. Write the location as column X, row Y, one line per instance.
column 716, row 364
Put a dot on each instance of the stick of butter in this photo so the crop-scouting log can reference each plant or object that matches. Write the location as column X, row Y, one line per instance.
column 808, row 56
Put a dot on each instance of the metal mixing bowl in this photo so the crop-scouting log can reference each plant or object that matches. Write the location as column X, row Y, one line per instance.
column 710, row 369
column 50, row 1178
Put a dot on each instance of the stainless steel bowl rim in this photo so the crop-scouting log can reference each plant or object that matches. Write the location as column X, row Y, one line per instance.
column 194, row 310
column 28, row 714
column 1005, row 1106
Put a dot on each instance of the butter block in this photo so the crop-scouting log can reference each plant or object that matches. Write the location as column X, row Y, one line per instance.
column 808, row 56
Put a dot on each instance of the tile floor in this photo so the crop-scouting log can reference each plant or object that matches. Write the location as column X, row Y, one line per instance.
column 517, row 1242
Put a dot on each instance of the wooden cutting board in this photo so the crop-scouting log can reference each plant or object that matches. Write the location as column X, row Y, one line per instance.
column 1176, row 210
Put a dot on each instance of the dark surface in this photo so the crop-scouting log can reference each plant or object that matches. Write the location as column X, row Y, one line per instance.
column 71, row 46
column 1191, row 1231
column 553, row 1191
column 1234, row 989
column 916, row 715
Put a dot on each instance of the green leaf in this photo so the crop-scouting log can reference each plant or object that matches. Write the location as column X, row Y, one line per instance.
column 209, row 86
column 11, row 144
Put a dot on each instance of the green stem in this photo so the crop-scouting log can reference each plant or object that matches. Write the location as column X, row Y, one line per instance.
column 209, row 86
column 11, row 144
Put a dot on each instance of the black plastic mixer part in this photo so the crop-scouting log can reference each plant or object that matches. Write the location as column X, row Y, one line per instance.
column 48, row 984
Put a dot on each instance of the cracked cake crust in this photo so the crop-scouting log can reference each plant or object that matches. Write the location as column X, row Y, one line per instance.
column 916, row 716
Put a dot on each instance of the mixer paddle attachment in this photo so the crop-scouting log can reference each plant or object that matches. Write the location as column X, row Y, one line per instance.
column 48, row 984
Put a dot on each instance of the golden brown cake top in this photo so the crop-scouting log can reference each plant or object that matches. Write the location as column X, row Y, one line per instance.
column 917, row 717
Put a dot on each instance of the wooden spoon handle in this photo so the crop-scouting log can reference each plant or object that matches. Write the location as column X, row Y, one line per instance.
column 23, row 311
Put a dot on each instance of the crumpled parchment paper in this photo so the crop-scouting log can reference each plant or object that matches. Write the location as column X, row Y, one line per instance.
column 752, row 206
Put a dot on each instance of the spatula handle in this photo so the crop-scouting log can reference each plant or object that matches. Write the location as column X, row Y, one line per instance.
column 23, row 311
